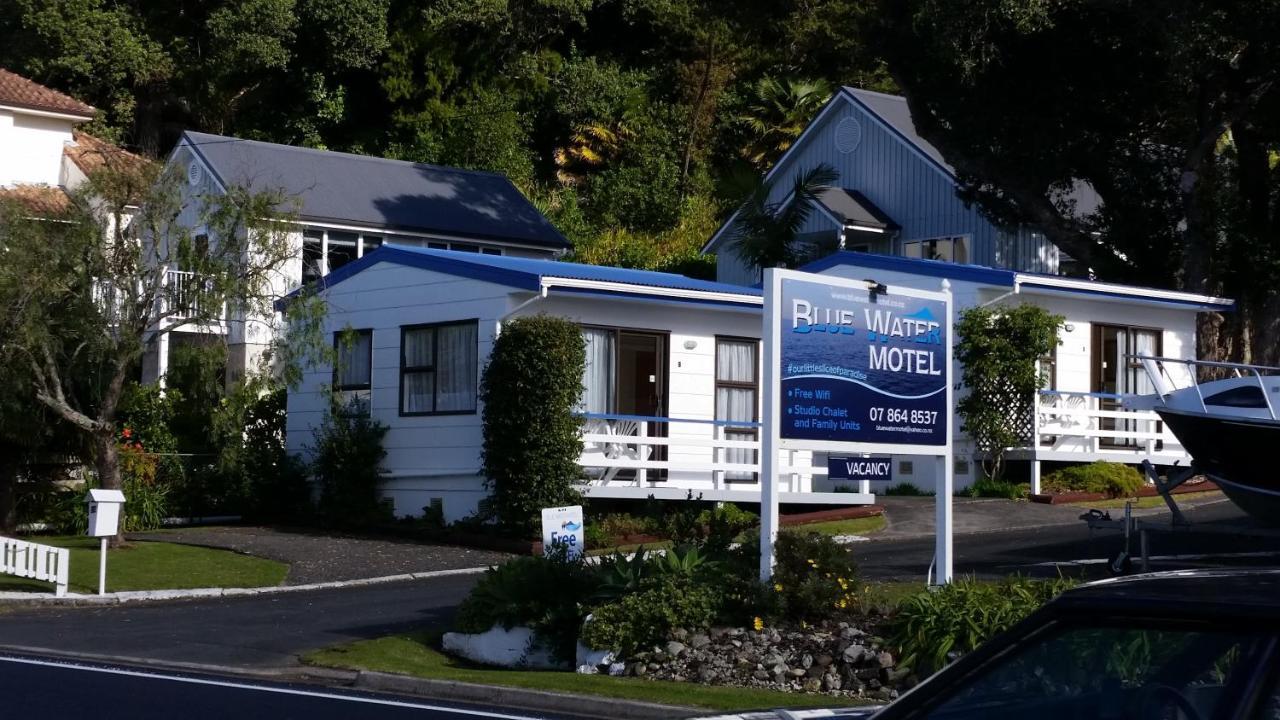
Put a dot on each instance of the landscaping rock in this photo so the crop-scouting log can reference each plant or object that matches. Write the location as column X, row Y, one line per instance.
column 853, row 654
column 675, row 649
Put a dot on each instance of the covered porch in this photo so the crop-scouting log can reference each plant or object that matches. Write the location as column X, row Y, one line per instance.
column 637, row 456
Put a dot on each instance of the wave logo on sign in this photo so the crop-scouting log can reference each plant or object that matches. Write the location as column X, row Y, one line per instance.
column 571, row 526
column 920, row 326
column 806, row 318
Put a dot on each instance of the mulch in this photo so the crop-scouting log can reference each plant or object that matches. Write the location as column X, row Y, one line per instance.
column 314, row 557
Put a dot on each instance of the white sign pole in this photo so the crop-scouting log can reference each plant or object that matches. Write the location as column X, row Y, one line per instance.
column 770, row 420
column 942, row 555
column 102, row 569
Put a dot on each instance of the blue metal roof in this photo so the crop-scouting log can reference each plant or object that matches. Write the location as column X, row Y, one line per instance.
column 529, row 273
column 995, row 277
column 380, row 193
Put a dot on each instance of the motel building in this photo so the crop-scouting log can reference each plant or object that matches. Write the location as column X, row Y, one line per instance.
column 672, row 383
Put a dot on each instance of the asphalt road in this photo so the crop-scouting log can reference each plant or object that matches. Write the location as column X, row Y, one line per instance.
column 40, row 687
column 261, row 631
column 272, row 630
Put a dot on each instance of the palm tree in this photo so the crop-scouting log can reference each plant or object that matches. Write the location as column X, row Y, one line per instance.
column 765, row 231
column 776, row 113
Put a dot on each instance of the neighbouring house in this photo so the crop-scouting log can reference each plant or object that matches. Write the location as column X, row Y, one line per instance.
column 672, row 385
column 896, row 195
column 43, row 157
column 346, row 206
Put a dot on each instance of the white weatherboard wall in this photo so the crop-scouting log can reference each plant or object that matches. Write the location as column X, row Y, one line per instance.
column 427, row 456
column 1073, row 355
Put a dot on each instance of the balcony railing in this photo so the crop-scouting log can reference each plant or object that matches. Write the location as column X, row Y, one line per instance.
column 188, row 295
column 633, row 450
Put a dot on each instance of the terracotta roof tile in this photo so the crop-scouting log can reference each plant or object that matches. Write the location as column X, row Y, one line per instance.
column 18, row 91
column 41, row 200
column 90, row 154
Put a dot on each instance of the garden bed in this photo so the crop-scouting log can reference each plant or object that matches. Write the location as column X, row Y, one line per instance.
column 1148, row 491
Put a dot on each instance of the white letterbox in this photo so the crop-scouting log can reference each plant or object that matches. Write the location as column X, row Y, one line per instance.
column 104, row 512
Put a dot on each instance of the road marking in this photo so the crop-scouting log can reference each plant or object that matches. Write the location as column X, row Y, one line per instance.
column 1163, row 558
column 260, row 688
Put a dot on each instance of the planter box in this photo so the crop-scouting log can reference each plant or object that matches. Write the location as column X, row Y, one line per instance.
column 1148, row 491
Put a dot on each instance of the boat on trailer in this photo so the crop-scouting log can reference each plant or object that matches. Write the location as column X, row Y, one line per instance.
column 1229, row 426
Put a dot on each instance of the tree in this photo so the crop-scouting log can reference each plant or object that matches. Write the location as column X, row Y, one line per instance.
column 777, row 112
column 998, row 349
column 85, row 293
column 1032, row 102
column 766, row 230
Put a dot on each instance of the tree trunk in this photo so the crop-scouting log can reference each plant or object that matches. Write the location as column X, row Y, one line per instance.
column 107, row 461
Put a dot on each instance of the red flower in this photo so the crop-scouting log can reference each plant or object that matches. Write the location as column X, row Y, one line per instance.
column 127, row 433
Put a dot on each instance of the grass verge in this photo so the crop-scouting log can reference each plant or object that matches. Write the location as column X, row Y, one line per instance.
column 854, row 526
column 1154, row 501
column 415, row 654
column 154, row 566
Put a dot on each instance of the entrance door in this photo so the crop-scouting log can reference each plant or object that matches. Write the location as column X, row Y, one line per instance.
column 642, row 385
column 1115, row 372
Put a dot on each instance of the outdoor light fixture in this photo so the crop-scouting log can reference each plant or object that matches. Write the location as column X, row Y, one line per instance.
column 1069, row 327
column 690, row 344
column 876, row 288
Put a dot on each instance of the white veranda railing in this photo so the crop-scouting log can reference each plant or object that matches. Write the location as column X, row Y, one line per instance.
column 635, row 450
column 38, row 562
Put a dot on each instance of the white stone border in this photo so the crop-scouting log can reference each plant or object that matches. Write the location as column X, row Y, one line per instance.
column 128, row 596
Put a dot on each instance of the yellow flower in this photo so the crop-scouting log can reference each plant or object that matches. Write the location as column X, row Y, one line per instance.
column 777, row 587
column 758, row 624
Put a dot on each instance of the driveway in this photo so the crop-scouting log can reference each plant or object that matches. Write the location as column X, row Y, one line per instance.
column 314, row 557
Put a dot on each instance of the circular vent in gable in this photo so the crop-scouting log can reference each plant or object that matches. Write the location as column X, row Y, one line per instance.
column 848, row 135
column 195, row 174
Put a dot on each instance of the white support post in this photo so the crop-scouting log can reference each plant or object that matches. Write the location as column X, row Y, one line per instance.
column 102, row 569
column 942, row 552
column 770, row 425
column 1035, row 471
column 324, row 253
column 717, row 434
column 642, row 432
column 162, row 359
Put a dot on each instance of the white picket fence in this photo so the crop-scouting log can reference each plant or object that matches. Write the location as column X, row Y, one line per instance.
column 33, row 560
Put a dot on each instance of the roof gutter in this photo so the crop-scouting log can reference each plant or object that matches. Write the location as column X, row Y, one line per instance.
column 602, row 286
column 541, row 295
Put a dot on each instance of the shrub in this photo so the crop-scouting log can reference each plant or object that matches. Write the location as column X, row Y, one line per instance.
column 906, row 489
column 813, row 576
column 1112, row 479
column 644, row 618
column 617, row 525
column 530, row 390
column 985, row 487
column 251, row 427
column 540, row 592
column 347, row 463
column 932, row 625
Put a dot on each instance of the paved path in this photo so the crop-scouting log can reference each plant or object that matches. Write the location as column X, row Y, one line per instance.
column 315, row 557
column 38, row 688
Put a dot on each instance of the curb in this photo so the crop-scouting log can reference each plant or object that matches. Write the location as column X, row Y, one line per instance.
column 280, row 674
column 546, row 701
column 11, row 599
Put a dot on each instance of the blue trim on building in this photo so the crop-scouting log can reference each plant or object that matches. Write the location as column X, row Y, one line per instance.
column 913, row 266
column 528, row 274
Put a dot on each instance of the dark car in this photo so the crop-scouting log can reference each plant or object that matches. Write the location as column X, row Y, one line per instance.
column 1193, row 645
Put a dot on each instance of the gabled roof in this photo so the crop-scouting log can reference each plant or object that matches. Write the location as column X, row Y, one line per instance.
column 17, row 91
column 380, row 193
column 852, row 209
column 534, row 275
column 42, row 201
column 1035, row 283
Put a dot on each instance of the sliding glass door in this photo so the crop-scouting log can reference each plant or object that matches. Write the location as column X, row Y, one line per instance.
column 626, row 376
column 1116, row 372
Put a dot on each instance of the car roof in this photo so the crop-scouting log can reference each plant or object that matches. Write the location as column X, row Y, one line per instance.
column 1192, row 593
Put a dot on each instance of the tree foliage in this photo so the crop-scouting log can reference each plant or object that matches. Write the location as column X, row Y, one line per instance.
column 767, row 231
column 533, row 381
column 998, row 349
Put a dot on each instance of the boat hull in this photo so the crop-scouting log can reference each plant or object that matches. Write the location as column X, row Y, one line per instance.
column 1236, row 453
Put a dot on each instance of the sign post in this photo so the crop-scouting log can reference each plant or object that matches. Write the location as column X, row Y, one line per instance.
column 855, row 367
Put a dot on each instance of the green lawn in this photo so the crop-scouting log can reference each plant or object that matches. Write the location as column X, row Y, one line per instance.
column 155, row 566
column 1146, row 502
column 856, row 526
column 414, row 655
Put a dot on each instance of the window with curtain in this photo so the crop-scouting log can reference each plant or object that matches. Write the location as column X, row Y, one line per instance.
column 737, row 395
column 438, row 368
column 353, row 372
column 599, row 375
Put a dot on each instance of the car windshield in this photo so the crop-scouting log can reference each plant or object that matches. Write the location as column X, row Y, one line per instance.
column 1107, row 672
